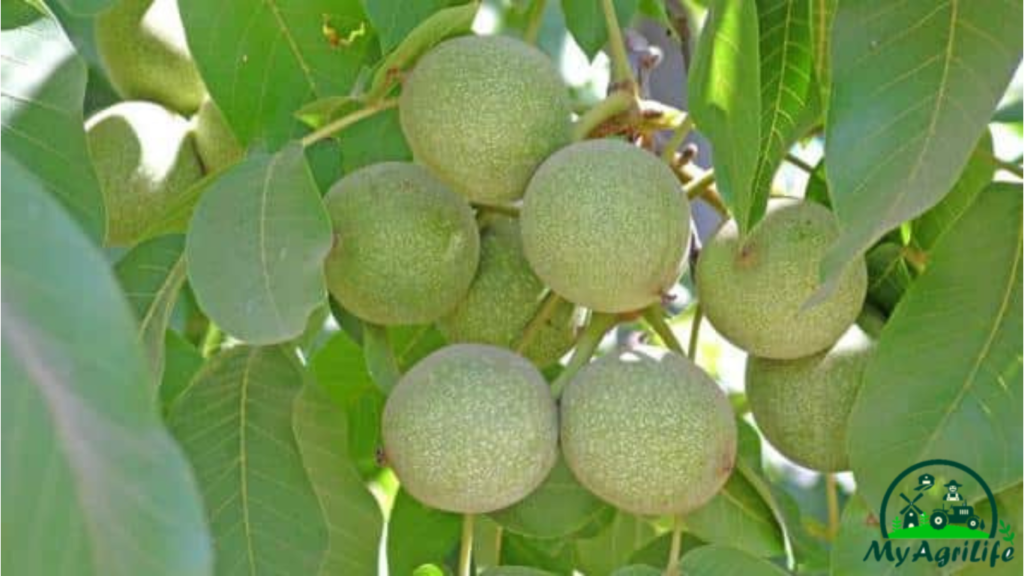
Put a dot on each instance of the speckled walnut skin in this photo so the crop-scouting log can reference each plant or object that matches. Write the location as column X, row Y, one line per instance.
column 754, row 294
column 606, row 225
column 802, row 406
column 406, row 247
column 471, row 429
column 648, row 431
column 482, row 112
column 504, row 298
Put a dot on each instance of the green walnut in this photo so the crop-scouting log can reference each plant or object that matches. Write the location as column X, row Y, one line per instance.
column 143, row 49
column 406, row 247
column 503, row 299
column 606, row 225
column 216, row 143
column 482, row 113
column 802, row 406
column 471, row 429
column 755, row 291
column 648, row 431
column 145, row 159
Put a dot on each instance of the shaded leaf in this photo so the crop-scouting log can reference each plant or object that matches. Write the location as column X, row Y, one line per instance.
column 585, row 21
column 419, row 535
column 914, row 85
column 945, row 381
column 857, row 529
column 182, row 362
column 43, row 87
column 234, row 423
column 817, row 186
column 930, row 226
column 555, row 556
column 378, row 138
column 656, row 552
column 353, row 519
column 394, row 19
column 558, row 508
column 86, row 6
column 726, row 71
column 888, row 275
column 380, row 357
column 515, row 571
column 151, row 275
column 94, row 483
column 716, row 560
column 256, row 247
column 613, row 546
column 439, row 26
column 789, row 102
column 261, row 61
column 1010, row 504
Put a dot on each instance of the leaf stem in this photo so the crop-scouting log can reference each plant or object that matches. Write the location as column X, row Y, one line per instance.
column 544, row 313
column 622, row 71
column 466, row 548
column 535, row 19
column 832, row 499
column 678, row 136
column 700, row 184
column 503, row 209
column 616, row 103
column 331, row 128
column 799, row 163
column 654, row 318
column 672, row 569
column 590, row 338
column 212, row 340
column 698, row 317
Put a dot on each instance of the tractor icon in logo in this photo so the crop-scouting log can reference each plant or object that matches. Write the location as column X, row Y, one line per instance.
column 938, row 509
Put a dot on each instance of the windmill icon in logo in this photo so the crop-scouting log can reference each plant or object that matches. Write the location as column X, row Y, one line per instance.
column 911, row 513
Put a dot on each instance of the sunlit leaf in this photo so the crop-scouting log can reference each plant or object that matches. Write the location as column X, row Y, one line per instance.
column 419, row 535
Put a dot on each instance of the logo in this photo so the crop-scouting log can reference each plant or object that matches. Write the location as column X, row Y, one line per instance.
column 940, row 500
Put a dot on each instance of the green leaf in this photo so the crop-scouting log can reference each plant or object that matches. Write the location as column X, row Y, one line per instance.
column 419, row 535
column 585, row 20
column 182, row 362
column 234, row 423
column 823, row 14
column 261, row 61
column 440, row 26
column 726, row 71
column 151, row 275
column 888, row 275
column 637, row 570
column 738, row 516
column 352, row 516
column 515, row 571
column 558, row 508
column 716, row 560
column 614, row 545
column 858, row 528
column 175, row 219
column 656, row 552
column 394, row 19
column 930, row 226
column 380, row 357
column 914, row 85
column 948, row 364
column 94, row 484
column 341, row 371
column 86, row 6
column 1009, row 503
column 256, row 247
column 555, row 556
column 789, row 101
column 43, row 87
column 413, row 343
column 378, row 138
column 817, row 186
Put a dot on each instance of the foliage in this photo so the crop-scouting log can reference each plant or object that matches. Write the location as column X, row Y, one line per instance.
column 198, row 404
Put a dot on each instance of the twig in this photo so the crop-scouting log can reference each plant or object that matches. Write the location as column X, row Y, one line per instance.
column 544, row 313
column 833, row 506
column 672, row 569
column 799, row 163
column 466, row 548
column 616, row 103
column 340, row 124
column 698, row 185
column 654, row 318
column 680, row 134
column 622, row 72
column 698, row 317
column 590, row 338
column 535, row 19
